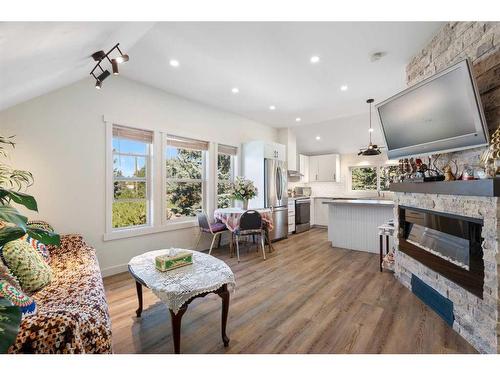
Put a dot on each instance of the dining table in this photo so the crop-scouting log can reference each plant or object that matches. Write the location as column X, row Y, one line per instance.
column 230, row 216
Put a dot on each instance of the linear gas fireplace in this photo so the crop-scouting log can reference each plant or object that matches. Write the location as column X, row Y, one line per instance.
column 448, row 244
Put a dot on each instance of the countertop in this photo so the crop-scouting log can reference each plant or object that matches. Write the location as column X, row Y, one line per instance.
column 375, row 202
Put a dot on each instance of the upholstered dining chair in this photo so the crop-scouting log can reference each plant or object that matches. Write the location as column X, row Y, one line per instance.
column 250, row 225
column 215, row 229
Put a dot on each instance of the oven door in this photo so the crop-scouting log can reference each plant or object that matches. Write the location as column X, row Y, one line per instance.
column 302, row 215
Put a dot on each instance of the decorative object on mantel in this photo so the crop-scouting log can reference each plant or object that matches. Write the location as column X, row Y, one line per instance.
column 99, row 56
column 490, row 158
column 243, row 190
column 415, row 170
column 173, row 259
column 372, row 149
column 449, row 175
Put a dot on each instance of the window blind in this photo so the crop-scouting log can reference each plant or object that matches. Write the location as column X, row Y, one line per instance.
column 228, row 150
column 133, row 134
column 181, row 142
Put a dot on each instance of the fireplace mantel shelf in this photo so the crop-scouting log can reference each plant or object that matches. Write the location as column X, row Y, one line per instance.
column 478, row 188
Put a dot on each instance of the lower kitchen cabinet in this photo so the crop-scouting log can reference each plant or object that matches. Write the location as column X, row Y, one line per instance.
column 321, row 211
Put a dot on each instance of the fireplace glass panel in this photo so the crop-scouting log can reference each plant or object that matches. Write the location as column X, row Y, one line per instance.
column 451, row 248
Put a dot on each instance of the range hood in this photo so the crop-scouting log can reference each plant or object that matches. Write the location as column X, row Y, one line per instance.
column 292, row 173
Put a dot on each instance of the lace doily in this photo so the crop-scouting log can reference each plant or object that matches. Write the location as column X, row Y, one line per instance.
column 177, row 286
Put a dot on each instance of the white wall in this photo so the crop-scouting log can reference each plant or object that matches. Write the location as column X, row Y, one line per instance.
column 343, row 188
column 61, row 139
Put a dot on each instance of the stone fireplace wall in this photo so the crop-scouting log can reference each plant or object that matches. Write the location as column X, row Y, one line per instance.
column 476, row 319
column 480, row 42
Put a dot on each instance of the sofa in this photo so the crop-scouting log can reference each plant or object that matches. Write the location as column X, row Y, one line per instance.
column 72, row 313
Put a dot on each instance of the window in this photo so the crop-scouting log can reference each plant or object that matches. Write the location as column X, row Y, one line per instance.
column 226, row 156
column 387, row 174
column 185, row 172
column 131, row 177
column 363, row 178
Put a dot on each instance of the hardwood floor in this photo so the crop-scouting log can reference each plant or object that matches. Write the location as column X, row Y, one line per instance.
column 307, row 297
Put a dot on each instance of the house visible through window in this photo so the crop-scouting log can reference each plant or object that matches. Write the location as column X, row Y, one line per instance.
column 363, row 178
column 131, row 180
column 226, row 156
column 186, row 176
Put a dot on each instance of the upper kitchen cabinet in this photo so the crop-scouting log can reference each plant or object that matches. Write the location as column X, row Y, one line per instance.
column 304, row 168
column 274, row 150
column 288, row 138
column 324, row 168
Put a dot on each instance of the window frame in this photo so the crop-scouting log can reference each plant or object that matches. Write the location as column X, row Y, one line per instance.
column 183, row 220
column 119, row 232
column 232, row 171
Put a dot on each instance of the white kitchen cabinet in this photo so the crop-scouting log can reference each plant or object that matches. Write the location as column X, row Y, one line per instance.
column 324, row 168
column 291, row 216
column 274, row 150
column 304, row 167
column 321, row 211
column 288, row 138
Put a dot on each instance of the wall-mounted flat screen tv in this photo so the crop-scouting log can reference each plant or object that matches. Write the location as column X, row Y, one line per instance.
column 440, row 114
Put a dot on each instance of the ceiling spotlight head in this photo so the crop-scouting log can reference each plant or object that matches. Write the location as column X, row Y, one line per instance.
column 101, row 77
column 114, row 64
column 98, row 84
column 98, row 56
column 122, row 58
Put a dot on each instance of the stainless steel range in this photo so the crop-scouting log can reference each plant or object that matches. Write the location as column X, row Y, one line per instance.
column 302, row 214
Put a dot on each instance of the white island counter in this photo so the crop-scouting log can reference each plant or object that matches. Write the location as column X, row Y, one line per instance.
column 353, row 223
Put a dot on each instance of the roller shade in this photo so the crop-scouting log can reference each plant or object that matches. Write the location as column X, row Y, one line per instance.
column 181, row 142
column 133, row 134
column 228, row 150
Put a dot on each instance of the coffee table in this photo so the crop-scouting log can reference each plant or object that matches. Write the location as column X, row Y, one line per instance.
column 178, row 287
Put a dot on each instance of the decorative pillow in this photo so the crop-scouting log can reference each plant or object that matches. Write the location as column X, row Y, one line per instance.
column 41, row 224
column 27, row 265
column 39, row 247
column 17, row 298
column 5, row 274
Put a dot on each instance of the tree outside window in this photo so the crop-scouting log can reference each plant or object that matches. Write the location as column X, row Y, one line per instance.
column 185, row 176
column 363, row 178
column 388, row 174
column 225, row 174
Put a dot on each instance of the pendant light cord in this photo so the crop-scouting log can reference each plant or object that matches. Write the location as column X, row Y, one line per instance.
column 370, row 131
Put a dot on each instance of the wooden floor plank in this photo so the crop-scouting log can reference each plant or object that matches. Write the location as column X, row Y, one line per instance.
column 307, row 297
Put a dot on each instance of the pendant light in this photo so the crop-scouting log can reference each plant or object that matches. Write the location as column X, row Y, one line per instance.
column 372, row 149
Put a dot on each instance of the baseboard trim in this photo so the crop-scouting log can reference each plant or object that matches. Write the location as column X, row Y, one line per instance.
column 113, row 270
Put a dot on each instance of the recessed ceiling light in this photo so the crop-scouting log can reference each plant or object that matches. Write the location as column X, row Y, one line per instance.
column 343, row 88
column 370, row 130
column 272, row 107
column 174, row 63
column 314, row 59
column 298, row 119
column 235, row 90
column 318, row 137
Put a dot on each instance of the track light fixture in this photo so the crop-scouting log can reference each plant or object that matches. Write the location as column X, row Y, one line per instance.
column 100, row 56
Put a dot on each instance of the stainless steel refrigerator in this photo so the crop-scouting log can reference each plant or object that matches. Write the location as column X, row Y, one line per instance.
column 264, row 163
column 275, row 196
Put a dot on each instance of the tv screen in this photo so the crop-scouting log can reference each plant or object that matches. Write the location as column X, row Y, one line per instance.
column 440, row 114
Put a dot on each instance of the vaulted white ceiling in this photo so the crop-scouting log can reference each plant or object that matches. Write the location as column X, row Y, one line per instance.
column 269, row 62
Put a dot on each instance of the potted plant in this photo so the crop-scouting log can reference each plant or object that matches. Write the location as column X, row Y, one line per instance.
column 243, row 190
column 14, row 225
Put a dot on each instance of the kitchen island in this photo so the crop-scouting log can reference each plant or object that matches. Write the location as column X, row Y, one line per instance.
column 353, row 223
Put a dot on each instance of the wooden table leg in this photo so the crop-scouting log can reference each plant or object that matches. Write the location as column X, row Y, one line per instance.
column 381, row 240
column 138, row 287
column 224, row 294
column 268, row 237
column 231, row 249
column 176, row 327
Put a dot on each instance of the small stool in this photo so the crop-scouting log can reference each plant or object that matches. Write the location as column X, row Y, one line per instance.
column 387, row 231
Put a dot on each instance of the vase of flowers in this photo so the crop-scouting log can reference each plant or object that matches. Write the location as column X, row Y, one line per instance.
column 243, row 190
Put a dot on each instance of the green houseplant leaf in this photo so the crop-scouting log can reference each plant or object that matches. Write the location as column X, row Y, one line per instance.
column 10, row 319
column 8, row 234
column 20, row 198
column 46, row 237
column 11, row 215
